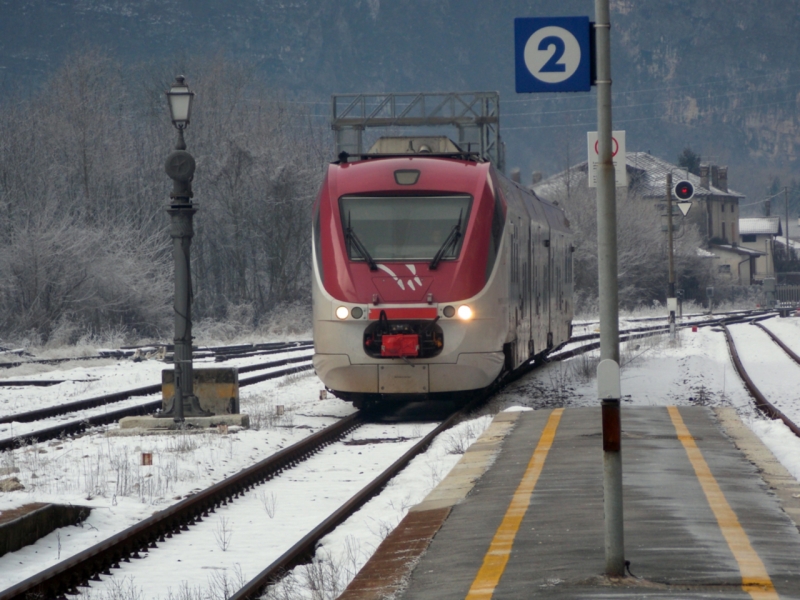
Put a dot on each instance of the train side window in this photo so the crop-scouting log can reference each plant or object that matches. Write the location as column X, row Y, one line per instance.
column 318, row 244
column 498, row 222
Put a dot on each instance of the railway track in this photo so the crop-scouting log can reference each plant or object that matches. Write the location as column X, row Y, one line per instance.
column 96, row 561
column 640, row 332
column 219, row 353
column 299, row 364
column 88, row 565
column 761, row 401
column 303, row 363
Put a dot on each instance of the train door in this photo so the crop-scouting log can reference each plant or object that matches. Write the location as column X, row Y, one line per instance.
column 538, row 256
column 559, row 281
column 514, row 290
column 551, row 288
column 529, row 302
column 524, row 327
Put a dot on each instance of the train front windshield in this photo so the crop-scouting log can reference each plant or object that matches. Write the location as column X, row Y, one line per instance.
column 410, row 228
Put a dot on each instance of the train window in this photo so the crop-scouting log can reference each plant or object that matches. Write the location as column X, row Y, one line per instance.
column 406, row 227
column 318, row 244
column 498, row 222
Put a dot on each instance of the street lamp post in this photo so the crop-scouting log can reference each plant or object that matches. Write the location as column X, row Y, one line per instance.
column 180, row 167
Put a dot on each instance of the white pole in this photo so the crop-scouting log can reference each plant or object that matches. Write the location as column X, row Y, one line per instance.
column 609, row 303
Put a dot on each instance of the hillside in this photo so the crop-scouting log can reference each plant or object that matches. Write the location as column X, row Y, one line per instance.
column 717, row 75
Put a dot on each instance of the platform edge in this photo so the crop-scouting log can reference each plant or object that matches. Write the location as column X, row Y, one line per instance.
column 785, row 487
column 386, row 571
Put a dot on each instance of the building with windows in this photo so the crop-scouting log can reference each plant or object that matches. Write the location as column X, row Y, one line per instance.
column 759, row 233
column 714, row 210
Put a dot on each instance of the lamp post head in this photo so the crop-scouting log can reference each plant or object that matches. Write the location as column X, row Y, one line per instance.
column 180, row 164
column 180, row 103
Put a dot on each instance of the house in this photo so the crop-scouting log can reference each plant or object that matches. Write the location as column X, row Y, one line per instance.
column 715, row 207
column 758, row 233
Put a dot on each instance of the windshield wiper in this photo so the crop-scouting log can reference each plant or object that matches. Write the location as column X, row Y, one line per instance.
column 351, row 237
column 452, row 240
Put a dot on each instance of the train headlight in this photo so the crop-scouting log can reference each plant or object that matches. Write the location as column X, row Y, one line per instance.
column 464, row 312
column 342, row 312
column 357, row 312
column 448, row 311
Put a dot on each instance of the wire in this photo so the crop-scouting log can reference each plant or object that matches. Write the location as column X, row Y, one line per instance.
column 763, row 200
column 710, row 82
column 620, row 106
column 594, row 123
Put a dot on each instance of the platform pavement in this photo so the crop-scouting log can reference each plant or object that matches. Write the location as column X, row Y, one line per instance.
column 700, row 521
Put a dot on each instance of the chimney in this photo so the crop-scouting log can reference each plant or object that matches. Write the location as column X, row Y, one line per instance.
column 515, row 176
column 536, row 177
column 723, row 179
column 715, row 176
column 704, row 176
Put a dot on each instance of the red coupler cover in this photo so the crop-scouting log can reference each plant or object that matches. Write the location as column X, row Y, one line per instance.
column 400, row 344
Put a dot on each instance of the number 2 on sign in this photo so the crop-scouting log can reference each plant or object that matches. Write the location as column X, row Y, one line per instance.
column 552, row 65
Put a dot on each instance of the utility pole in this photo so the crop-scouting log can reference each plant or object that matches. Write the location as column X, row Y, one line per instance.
column 786, row 199
column 608, row 383
column 671, row 299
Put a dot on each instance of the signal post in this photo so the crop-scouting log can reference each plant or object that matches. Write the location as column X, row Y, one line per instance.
column 684, row 191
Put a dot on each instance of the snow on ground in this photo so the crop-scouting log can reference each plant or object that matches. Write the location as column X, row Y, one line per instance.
column 105, row 472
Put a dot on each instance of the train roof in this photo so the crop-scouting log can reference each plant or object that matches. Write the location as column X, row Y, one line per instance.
column 404, row 146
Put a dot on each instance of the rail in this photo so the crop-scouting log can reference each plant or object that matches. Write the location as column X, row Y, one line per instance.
column 80, row 425
column 66, row 576
column 761, row 401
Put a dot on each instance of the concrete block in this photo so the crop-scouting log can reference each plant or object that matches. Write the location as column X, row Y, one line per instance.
column 156, row 424
column 216, row 389
column 36, row 523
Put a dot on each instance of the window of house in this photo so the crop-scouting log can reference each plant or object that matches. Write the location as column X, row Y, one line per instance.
column 724, row 237
column 724, row 269
column 723, row 207
column 748, row 237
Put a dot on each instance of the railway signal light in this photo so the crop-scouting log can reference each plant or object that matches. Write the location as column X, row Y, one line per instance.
column 684, row 190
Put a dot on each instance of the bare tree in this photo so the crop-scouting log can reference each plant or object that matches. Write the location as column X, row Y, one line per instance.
column 82, row 198
column 641, row 246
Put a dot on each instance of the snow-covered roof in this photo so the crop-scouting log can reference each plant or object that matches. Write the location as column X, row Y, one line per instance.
column 740, row 250
column 760, row 225
column 646, row 173
column 650, row 176
column 792, row 243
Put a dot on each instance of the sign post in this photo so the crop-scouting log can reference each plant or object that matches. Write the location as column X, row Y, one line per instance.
column 618, row 157
column 554, row 54
column 609, row 300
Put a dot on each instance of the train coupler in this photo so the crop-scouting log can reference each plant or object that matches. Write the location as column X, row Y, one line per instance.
column 400, row 345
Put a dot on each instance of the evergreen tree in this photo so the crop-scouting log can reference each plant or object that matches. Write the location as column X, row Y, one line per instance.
column 690, row 160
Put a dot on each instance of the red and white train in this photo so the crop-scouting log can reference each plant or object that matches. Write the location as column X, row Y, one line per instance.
column 434, row 275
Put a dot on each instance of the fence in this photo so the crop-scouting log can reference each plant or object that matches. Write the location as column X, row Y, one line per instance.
column 788, row 293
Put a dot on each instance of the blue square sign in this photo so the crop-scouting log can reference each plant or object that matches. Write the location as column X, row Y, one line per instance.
column 553, row 54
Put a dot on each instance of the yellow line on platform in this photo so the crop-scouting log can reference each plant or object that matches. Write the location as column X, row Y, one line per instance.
column 755, row 579
column 494, row 563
